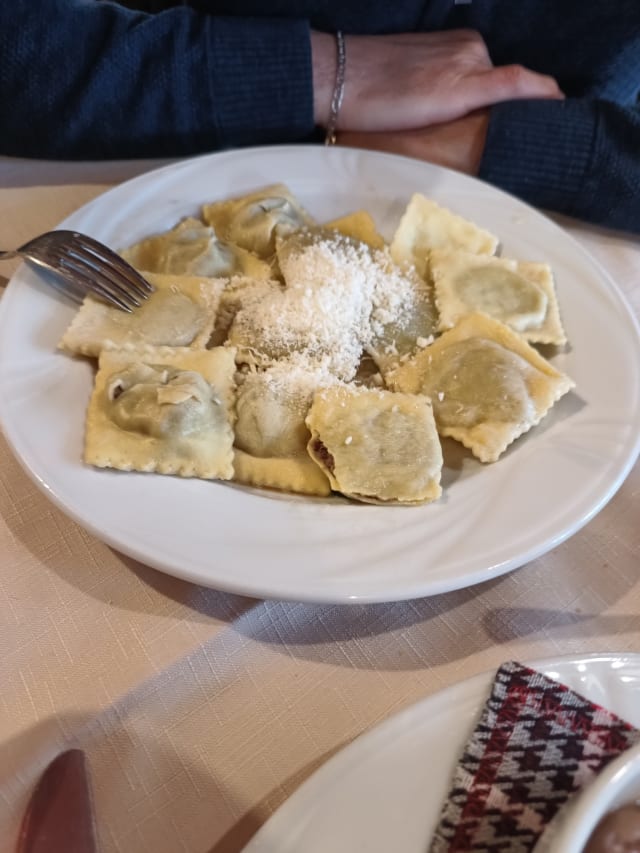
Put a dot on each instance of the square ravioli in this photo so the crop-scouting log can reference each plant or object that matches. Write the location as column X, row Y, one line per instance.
column 376, row 446
column 271, row 436
column 193, row 248
column 518, row 293
column 253, row 221
column 165, row 410
column 425, row 226
column 487, row 384
column 180, row 312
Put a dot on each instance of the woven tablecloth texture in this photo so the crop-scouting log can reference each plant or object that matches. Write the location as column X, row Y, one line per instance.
column 201, row 711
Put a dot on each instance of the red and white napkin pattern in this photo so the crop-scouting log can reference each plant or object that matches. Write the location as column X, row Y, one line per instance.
column 537, row 742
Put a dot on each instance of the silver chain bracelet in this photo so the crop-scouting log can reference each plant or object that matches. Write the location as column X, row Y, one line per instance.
column 338, row 91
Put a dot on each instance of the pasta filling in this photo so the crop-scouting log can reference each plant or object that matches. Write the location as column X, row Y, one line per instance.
column 162, row 402
column 474, row 380
column 322, row 455
column 501, row 293
column 169, row 317
column 254, row 226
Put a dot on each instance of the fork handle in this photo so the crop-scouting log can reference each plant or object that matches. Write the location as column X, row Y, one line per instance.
column 6, row 256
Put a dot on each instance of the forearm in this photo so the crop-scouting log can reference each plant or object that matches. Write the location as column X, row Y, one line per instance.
column 578, row 157
column 97, row 80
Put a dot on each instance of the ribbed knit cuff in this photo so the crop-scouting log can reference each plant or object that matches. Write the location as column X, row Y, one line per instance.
column 541, row 151
column 260, row 79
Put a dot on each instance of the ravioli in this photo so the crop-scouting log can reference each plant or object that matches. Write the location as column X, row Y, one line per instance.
column 180, row 312
column 165, row 410
column 376, row 446
column 192, row 248
column 487, row 385
column 270, row 433
column 289, row 355
column 425, row 226
column 518, row 293
column 252, row 221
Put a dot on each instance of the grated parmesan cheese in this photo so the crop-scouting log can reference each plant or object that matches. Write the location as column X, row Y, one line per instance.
column 340, row 299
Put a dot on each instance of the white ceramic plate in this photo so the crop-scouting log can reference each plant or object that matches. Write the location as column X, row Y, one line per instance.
column 490, row 520
column 385, row 790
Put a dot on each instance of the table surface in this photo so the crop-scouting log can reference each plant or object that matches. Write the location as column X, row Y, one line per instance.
column 201, row 711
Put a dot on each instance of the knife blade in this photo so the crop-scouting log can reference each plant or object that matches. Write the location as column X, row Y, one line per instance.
column 59, row 817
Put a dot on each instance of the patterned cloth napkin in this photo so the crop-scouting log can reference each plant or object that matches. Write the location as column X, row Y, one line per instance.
column 537, row 742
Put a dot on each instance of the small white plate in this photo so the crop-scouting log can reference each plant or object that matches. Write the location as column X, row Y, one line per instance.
column 491, row 518
column 385, row 790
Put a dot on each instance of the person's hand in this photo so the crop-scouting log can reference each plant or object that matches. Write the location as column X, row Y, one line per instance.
column 397, row 82
column 458, row 144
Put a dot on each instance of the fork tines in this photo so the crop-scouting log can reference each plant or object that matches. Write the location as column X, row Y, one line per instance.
column 99, row 269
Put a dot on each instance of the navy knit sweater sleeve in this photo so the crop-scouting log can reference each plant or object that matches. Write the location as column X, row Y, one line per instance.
column 580, row 157
column 82, row 79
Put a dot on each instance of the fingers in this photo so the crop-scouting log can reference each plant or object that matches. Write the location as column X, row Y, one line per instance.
column 512, row 82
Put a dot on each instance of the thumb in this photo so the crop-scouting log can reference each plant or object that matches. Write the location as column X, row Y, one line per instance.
column 512, row 82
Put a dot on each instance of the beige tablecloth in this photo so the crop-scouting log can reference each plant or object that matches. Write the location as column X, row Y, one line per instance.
column 202, row 711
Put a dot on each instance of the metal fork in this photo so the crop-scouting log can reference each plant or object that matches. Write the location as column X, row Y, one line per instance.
column 87, row 266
